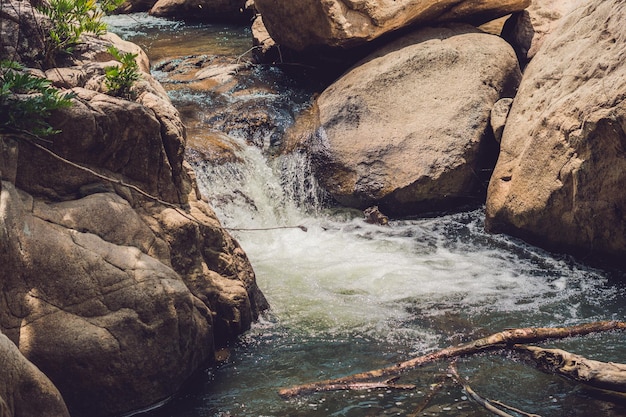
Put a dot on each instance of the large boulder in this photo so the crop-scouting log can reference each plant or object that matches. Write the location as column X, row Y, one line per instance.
column 109, row 132
column 117, row 308
column 101, row 130
column 24, row 390
column 559, row 181
column 408, row 128
column 337, row 23
column 112, row 326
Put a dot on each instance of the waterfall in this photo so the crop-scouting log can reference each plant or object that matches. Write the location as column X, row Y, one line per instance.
column 344, row 275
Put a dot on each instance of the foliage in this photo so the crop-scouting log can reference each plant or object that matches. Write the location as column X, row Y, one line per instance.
column 27, row 100
column 70, row 19
column 119, row 79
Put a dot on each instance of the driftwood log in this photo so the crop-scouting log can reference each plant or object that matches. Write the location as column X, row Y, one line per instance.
column 603, row 375
column 507, row 339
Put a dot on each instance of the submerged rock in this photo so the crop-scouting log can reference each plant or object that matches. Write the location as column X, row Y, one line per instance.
column 336, row 23
column 249, row 103
column 407, row 128
column 559, row 181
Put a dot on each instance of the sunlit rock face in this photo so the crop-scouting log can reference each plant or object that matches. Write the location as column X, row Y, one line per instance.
column 408, row 128
column 528, row 29
column 339, row 23
column 559, row 181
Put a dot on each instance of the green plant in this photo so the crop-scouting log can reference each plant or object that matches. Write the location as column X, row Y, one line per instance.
column 69, row 20
column 119, row 79
column 27, row 100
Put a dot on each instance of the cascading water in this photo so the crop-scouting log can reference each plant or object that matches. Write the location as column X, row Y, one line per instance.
column 348, row 296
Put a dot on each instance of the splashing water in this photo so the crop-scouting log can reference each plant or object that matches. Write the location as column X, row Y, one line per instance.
column 345, row 275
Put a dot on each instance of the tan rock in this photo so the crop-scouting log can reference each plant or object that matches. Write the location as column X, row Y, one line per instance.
column 559, row 181
column 404, row 128
column 200, row 9
column 123, row 138
column 499, row 114
column 104, row 299
column 99, row 317
column 212, row 265
column 527, row 30
column 265, row 47
column 152, row 119
column 214, row 147
column 346, row 23
column 24, row 390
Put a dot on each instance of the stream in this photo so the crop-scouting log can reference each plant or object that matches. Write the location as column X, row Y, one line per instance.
column 348, row 296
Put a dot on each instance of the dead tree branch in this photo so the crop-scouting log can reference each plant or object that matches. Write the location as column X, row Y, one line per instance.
column 505, row 339
column 603, row 375
column 486, row 404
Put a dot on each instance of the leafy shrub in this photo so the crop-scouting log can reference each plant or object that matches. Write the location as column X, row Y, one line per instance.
column 70, row 19
column 26, row 100
column 119, row 79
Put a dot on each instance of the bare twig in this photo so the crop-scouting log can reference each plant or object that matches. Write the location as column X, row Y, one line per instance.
column 434, row 390
column 480, row 400
column 247, row 52
column 516, row 410
column 388, row 384
column 259, row 229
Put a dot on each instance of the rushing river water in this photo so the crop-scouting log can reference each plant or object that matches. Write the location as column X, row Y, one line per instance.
column 348, row 296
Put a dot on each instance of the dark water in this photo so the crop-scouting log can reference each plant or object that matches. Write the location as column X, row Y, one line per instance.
column 348, row 297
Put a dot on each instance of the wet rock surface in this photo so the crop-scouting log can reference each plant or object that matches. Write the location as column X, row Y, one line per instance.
column 250, row 102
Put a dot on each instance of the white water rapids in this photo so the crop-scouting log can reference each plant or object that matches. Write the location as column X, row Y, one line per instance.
column 344, row 274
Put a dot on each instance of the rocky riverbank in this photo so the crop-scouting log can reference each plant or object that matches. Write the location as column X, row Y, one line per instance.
column 118, row 280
